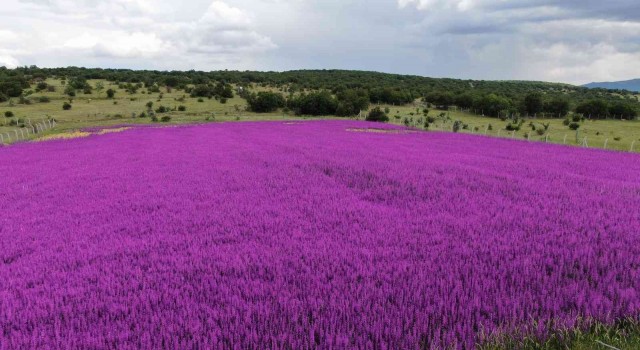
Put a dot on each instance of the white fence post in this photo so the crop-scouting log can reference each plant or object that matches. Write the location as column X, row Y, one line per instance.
column 565, row 139
column 632, row 144
column 605, row 143
column 546, row 138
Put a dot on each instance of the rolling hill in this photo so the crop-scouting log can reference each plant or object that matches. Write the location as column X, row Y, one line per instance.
column 631, row 85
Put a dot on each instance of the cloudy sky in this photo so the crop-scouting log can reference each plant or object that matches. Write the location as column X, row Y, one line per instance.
column 574, row 41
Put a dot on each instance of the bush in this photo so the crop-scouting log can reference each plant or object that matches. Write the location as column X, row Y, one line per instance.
column 44, row 99
column 111, row 93
column 162, row 109
column 315, row 103
column 66, row 106
column 182, row 108
column 457, row 125
column 265, row 102
column 8, row 114
column 377, row 115
column 165, row 119
column 200, row 99
column 574, row 126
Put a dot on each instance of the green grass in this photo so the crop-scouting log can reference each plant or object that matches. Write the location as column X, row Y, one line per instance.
column 625, row 335
column 619, row 135
column 97, row 110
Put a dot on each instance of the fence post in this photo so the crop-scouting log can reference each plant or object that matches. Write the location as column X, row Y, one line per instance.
column 16, row 131
column 1, row 138
column 584, row 142
column 486, row 128
column 605, row 143
column 546, row 138
column 632, row 144
column 528, row 136
column 499, row 130
column 565, row 139
column 513, row 134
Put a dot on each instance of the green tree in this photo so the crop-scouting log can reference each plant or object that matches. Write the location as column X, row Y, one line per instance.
column 351, row 102
column 533, row 103
column 111, row 93
column 265, row 101
column 377, row 115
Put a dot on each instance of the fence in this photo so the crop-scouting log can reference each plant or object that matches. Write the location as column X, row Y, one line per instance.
column 558, row 138
column 28, row 131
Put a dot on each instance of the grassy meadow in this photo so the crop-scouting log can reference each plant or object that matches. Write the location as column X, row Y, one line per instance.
column 95, row 110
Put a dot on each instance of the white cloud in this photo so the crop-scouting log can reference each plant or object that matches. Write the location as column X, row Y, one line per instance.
column 571, row 41
column 208, row 32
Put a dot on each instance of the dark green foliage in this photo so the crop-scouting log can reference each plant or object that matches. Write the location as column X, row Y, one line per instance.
column 533, row 103
column 111, row 93
column 70, row 91
column 623, row 111
column 162, row 109
column 558, row 107
column 41, row 86
column 351, row 102
column 315, row 103
column 493, row 105
column 165, row 119
column 182, row 108
column 594, row 109
column 8, row 114
column 574, row 126
column 265, row 102
column 377, row 115
column 66, row 106
column 44, row 99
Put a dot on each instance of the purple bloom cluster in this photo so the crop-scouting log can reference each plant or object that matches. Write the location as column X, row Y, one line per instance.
column 310, row 235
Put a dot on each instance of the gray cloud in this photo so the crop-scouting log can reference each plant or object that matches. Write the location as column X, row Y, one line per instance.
column 572, row 41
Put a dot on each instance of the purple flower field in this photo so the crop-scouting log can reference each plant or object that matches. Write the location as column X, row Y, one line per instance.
column 310, row 235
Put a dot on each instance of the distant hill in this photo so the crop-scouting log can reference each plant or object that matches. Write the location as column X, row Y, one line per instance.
column 631, row 85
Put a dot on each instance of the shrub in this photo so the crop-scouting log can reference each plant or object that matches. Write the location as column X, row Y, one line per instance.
column 149, row 105
column 540, row 132
column 377, row 115
column 617, row 138
column 574, row 126
column 182, row 108
column 44, row 99
column 41, row 86
column 162, row 109
column 142, row 115
column 8, row 114
column 223, row 100
column 457, row 125
column 200, row 99
column 165, row 119
column 265, row 102
column 66, row 106
column 111, row 93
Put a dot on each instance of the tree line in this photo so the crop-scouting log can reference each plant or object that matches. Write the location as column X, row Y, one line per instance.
column 340, row 92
